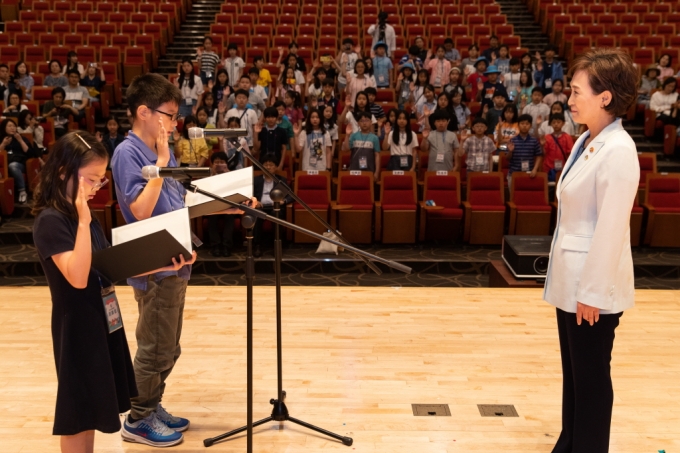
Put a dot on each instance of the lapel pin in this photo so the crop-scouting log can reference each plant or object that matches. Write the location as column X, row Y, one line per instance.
column 586, row 157
column 592, row 149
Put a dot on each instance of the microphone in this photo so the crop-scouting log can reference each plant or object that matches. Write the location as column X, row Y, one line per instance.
column 178, row 173
column 199, row 132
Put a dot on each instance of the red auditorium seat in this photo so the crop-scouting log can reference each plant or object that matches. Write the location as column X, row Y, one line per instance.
column 484, row 208
column 314, row 188
column 396, row 212
column 662, row 203
column 353, row 211
column 444, row 220
column 530, row 211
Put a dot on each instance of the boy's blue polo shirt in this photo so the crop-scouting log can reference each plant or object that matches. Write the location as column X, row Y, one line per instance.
column 127, row 162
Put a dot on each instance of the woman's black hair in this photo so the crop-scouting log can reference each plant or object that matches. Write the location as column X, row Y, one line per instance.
column 3, row 126
column 396, row 111
column 530, row 79
column 16, row 69
column 396, row 132
column 70, row 153
column 333, row 119
column 22, row 118
column 513, row 108
column 284, row 75
column 297, row 98
column 522, row 66
column 308, row 124
column 68, row 64
column 217, row 77
column 183, row 76
column 670, row 59
column 369, row 66
column 18, row 92
column 57, row 62
column 360, row 60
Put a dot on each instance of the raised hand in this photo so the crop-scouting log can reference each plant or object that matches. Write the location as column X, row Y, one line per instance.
column 176, row 82
column 7, row 140
column 348, row 129
column 480, row 85
column 539, row 120
column 412, row 86
column 257, row 128
column 400, row 77
column 84, row 215
column 98, row 136
column 426, row 133
column 199, row 51
column 511, row 146
column 539, row 65
column 493, row 57
column 221, row 108
column 357, row 49
column 211, row 84
column 280, row 49
column 466, row 70
column 486, row 108
column 297, row 128
column 388, row 128
column 429, row 53
column 162, row 145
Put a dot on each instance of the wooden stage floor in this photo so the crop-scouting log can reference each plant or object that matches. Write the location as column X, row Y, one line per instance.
column 355, row 359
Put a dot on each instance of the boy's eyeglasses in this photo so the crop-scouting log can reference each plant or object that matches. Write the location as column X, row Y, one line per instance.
column 175, row 117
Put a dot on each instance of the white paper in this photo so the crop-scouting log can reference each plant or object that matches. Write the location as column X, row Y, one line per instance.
column 229, row 183
column 175, row 222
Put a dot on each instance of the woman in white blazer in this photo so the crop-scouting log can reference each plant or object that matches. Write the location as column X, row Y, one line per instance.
column 590, row 274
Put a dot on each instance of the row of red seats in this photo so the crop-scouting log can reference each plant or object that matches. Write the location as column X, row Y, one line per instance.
column 394, row 11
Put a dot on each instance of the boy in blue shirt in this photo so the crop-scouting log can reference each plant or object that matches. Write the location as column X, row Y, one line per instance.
column 364, row 146
column 524, row 151
column 382, row 66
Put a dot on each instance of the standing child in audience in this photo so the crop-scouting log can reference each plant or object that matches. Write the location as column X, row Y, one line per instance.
column 221, row 88
column 265, row 78
column 207, row 60
column 664, row 65
column 442, row 144
column 210, row 108
column 221, row 239
column 405, row 85
column 230, row 146
column 113, row 137
column 346, row 61
column 293, row 103
column 438, row 66
column 315, row 81
column 488, row 90
column 557, row 94
column 190, row 86
column 503, row 59
column 454, row 85
column 426, row 108
column 557, row 147
column 203, row 122
column 524, row 151
column 526, row 88
column 360, row 105
column 468, row 64
column 478, row 148
column 444, row 103
column 56, row 77
column 648, row 83
column 508, row 127
column 382, row 66
column 359, row 81
column 254, row 75
column 284, row 123
column 369, row 70
column 526, row 64
column 233, row 64
column 494, row 115
column 364, row 146
column 293, row 52
column 313, row 144
column 461, row 110
column 190, row 152
column 545, row 127
column 511, row 80
column 330, row 120
column 287, row 83
column 401, row 143
column 24, row 79
column 246, row 116
column 451, row 54
column 327, row 97
column 271, row 139
column 548, row 70
column 376, row 110
column 329, row 65
column 537, row 109
column 478, row 78
column 94, row 369
column 418, row 89
column 72, row 64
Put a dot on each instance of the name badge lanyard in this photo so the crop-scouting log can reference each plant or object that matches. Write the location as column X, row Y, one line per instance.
column 114, row 319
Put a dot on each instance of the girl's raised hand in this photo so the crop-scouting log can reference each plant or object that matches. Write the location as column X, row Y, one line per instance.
column 84, row 215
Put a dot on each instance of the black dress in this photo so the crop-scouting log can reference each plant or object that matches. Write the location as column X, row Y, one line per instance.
column 94, row 369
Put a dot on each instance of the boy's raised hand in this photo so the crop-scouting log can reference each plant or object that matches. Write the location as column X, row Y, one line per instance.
column 297, row 128
column 162, row 147
column 388, row 128
column 425, row 133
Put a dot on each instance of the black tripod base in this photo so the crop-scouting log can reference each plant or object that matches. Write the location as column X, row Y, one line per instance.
column 280, row 414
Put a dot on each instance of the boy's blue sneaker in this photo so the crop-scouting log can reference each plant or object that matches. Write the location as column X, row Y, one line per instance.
column 178, row 424
column 150, row 431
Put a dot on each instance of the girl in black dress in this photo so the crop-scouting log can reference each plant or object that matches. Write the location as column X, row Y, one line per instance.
column 94, row 370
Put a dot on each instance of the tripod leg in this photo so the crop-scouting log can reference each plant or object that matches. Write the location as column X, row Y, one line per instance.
column 209, row 442
column 345, row 440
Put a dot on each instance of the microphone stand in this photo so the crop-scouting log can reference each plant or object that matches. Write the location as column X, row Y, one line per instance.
column 280, row 412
